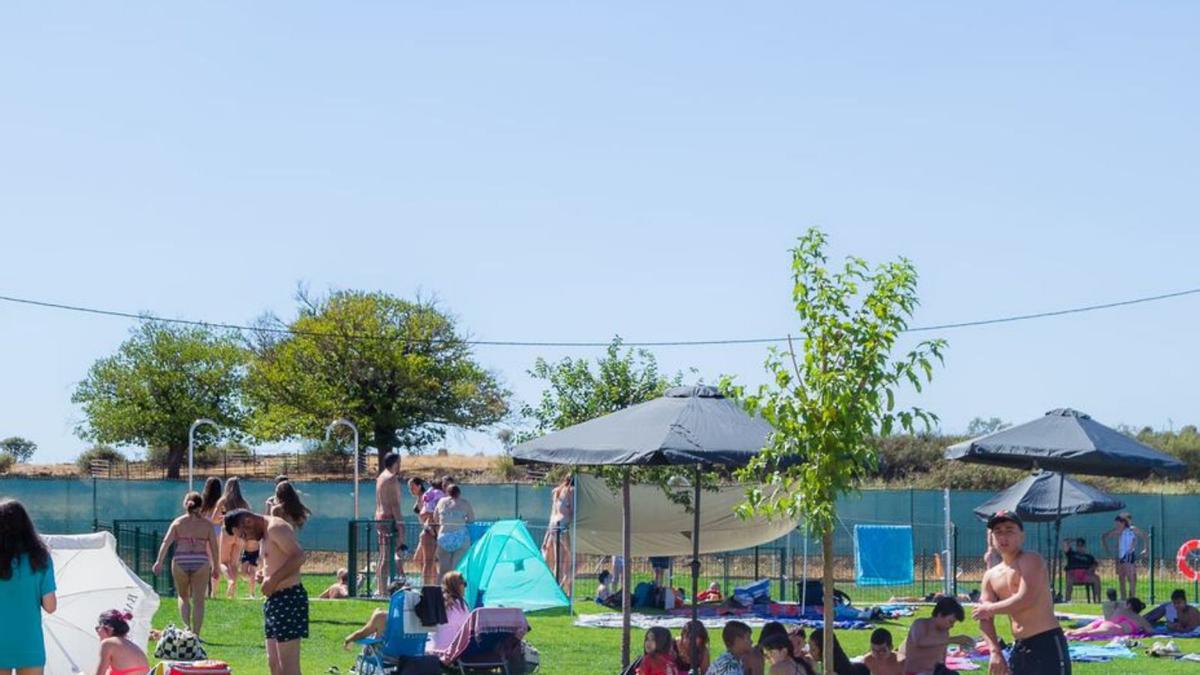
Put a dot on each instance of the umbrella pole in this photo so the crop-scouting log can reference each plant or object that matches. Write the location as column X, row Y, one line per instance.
column 625, row 546
column 694, row 657
column 1062, row 477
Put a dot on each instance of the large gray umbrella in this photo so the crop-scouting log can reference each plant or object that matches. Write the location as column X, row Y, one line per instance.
column 1036, row 499
column 689, row 426
column 1067, row 441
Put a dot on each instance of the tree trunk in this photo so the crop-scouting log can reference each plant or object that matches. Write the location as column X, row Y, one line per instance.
column 827, row 601
column 176, row 458
column 385, row 441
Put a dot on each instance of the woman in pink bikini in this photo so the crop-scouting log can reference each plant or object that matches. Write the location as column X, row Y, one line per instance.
column 118, row 654
column 194, row 564
column 1127, row 620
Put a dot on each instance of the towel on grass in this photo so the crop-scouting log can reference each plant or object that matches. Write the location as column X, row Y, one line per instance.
column 613, row 620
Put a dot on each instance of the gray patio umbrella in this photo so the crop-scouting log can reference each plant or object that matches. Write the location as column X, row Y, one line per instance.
column 687, row 426
column 1067, row 441
column 1036, row 499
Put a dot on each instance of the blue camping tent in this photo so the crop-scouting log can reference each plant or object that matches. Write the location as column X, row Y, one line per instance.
column 504, row 568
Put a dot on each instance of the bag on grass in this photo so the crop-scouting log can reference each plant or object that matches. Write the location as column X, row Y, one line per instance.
column 179, row 644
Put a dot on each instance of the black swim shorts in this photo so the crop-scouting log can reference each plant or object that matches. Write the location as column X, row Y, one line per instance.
column 1042, row 654
column 250, row 558
column 285, row 614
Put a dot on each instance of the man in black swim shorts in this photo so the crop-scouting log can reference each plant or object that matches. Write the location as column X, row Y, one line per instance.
column 1019, row 587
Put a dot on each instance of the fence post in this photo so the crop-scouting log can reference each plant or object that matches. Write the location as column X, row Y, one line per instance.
column 352, row 558
column 137, row 551
column 953, row 563
column 782, row 582
column 924, row 563
column 756, row 563
column 1151, row 547
column 725, row 565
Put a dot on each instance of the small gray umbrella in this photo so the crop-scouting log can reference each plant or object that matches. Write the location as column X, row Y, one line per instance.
column 1035, row 499
column 687, row 426
column 1067, row 441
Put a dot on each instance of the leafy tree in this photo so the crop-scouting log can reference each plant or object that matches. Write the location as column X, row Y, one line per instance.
column 21, row 449
column 400, row 370
column 828, row 399
column 84, row 461
column 575, row 393
column 162, row 379
column 981, row 427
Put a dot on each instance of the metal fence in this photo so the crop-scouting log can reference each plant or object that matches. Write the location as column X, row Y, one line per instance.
column 138, row 542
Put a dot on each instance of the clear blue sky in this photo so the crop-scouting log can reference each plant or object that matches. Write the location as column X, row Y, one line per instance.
column 574, row 170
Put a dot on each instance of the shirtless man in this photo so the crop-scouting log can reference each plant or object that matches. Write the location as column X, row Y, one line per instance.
column 388, row 510
column 1020, row 587
column 924, row 650
column 285, row 612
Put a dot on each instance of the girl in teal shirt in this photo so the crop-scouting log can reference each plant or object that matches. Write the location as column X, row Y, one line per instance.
column 26, row 588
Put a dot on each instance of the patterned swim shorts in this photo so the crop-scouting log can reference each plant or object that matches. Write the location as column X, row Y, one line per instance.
column 285, row 614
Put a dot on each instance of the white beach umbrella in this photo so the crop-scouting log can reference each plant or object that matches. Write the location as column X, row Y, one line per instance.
column 91, row 578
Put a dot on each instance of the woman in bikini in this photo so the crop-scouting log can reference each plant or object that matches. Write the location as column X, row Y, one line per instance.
column 118, row 654
column 453, row 513
column 193, row 566
column 230, row 560
column 210, row 496
column 288, row 505
column 425, row 556
column 556, row 545
column 1127, row 553
column 1127, row 620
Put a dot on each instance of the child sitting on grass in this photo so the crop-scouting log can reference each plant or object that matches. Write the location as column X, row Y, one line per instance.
column 924, row 649
column 657, row 659
column 339, row 589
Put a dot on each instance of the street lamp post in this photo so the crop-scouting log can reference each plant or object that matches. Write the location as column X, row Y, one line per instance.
column 329, row 430
column 192, row 445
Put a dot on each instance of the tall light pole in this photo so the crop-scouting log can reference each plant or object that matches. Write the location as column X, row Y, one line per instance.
column 329, row 430
column 192, row 445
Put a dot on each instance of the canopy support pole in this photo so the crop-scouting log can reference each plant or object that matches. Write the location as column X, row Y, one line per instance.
column 694, row 657
column 625, row 546
column 1062, row 477
column 574, row 517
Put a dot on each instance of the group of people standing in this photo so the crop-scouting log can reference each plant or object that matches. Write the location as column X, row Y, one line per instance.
column 443, row 515
column 219, row 532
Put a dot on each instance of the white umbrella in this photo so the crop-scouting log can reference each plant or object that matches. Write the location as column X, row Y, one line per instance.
column 91, row 578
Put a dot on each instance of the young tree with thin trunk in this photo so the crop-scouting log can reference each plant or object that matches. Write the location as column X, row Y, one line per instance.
column 832, row 390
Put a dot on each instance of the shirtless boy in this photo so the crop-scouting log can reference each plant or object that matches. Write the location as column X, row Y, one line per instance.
column 881, row 660
column 924, row 650
column 1019, row 587
column 388, row 510
column 285, row 612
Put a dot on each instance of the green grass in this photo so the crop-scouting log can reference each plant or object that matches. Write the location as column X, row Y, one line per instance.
column 233, row 633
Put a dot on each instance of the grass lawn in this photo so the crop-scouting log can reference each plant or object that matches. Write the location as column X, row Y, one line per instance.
column 233, row 633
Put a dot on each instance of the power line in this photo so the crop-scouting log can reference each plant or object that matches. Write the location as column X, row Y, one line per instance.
column 540, row 343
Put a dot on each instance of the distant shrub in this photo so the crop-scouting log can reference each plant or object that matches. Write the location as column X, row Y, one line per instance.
column 84, row 461
column 6, row 462
column 506, row 469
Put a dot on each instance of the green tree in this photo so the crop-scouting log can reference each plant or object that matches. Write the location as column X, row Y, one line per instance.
column 21, row 449
column 400, row 370
column 576, row 393
column 830, row 397
column 162, row 379
column 982, row 427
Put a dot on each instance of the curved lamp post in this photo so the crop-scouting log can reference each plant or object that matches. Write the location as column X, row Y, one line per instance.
column 329, row 430
column 192, row 444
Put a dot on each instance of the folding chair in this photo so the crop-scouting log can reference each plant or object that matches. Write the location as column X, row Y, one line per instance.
column 384, row 654
column 489, row 640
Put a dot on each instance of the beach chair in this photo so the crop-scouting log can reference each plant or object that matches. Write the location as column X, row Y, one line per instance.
column 489, row 640
column 385, row 654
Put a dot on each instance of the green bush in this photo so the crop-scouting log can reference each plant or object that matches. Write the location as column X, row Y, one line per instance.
column 6, row 462
column 507, row 470
column 84, row 461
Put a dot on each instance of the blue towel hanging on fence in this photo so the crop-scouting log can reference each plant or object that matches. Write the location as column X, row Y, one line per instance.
column 883, row 555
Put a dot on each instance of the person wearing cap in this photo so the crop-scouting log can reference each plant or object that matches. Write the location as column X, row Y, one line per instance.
column 1020, row 587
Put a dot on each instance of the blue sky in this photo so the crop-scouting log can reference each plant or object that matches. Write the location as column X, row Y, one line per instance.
column 570, row 171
